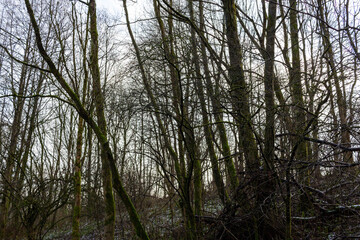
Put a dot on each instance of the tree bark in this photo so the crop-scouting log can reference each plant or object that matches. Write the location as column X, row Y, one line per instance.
column 205, row 119
column 13, row 143
column 238, row 89
column 109, row 228
column 340, row 100
column 78, row 157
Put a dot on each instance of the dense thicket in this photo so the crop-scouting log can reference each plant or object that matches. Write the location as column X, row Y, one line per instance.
column 177, row 119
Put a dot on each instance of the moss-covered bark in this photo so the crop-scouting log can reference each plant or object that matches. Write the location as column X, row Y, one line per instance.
column 238, row 89
column 340, row 98
column 240, row 102
column 295, row 83
column 269, row 86
column 77, row 183
column 296, row 89
column 268, row 184
column 109, row 223
column 204, row 112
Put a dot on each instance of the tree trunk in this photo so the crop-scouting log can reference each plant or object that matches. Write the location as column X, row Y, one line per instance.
column 79, row 144
column 13, row 143
column 238, row 89
column 340, row 100
column 109, row 227
column 217, row 111
column 185, row 131
column 205, row 119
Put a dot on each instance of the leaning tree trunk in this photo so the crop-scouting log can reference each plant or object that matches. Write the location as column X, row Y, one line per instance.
column 134, row 218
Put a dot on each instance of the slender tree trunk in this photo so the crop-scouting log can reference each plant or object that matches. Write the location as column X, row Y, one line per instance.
column 269, row 87
column 340, row 100
column 100, row 114
column 238, row 88
column 217, row 110
column 267, row 180
column 79, row 145
column 77, row 182
column 295, row 82
column 205, row 119
column 296, row 88
column 13, row 143
column 240, row 103
column 185, row 131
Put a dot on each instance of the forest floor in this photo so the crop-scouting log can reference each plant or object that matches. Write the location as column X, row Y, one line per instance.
column 161, row 221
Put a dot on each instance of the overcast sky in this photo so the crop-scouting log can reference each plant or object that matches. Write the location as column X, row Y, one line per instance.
column 113, row 6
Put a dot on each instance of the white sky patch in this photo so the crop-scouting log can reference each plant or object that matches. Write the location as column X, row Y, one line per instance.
column 139, row 10
column 114, row 7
